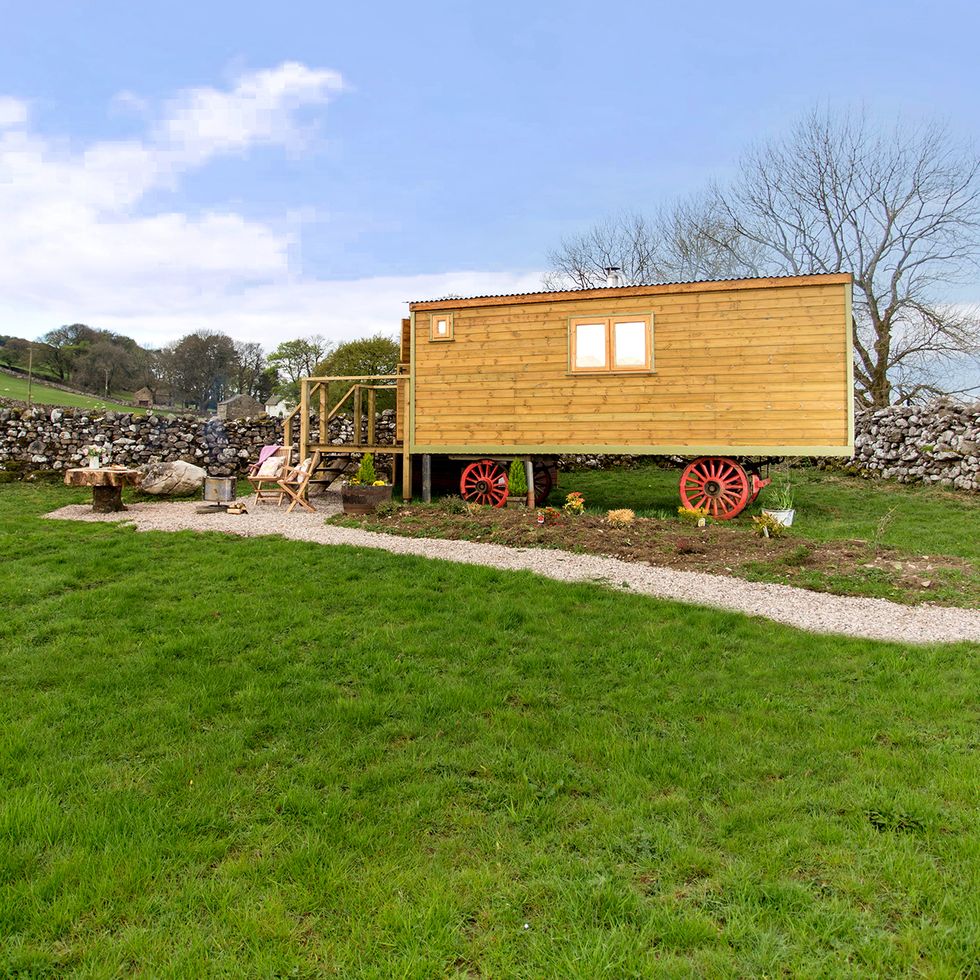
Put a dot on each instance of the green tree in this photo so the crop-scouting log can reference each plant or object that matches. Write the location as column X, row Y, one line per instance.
column 65, row 345
column 371, row 355
column 295, row 359
column 14, row 352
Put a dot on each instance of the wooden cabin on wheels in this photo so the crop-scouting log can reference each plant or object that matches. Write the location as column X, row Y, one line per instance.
column 727, row 374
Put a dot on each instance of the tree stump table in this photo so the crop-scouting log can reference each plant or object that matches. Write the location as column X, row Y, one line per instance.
column 106, row 483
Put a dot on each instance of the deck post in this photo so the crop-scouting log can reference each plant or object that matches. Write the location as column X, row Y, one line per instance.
column 304, row 419
column 427, row 478
column 406, row 446
column 357, row 415
column 406, row 474
column 372, row 393
column 529, row 474
column 323, row 414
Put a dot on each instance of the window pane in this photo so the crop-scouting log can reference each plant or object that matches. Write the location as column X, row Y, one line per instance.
column 590, row 345
column 441, row 327
column 630, row 343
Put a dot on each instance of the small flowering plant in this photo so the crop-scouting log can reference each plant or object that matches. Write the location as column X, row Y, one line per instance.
column 549, row 515
column 621, row 518
column 365, row 476
column 694, row 515
column 574, row 504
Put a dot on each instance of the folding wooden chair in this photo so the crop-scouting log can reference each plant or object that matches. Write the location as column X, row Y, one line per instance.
column 293, row 485
column 264, row 476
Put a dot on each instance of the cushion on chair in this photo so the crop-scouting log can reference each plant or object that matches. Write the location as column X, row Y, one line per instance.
column 270, row 467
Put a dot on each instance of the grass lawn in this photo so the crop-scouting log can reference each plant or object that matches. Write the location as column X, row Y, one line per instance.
column 258, row 757
column 41, row 394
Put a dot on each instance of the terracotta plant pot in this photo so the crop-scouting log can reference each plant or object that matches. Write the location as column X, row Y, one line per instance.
column 360, row 500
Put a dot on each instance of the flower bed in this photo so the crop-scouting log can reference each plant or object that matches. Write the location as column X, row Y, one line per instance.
column 841, row 567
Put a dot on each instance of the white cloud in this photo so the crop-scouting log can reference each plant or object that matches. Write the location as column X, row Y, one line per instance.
column 338, row 309
column 203, row 122
column 76, row 246
column 76, row 243
column 13, row 112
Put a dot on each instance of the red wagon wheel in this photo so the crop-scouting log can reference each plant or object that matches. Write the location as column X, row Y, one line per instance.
column 484, row 483
column 717, row 484
column 543, row 483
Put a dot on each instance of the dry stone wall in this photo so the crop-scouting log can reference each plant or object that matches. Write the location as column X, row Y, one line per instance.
column 937, row 443
column 45, row 438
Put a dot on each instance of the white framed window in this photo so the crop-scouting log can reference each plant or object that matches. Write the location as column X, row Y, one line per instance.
column 612, row 343
column 441, row 327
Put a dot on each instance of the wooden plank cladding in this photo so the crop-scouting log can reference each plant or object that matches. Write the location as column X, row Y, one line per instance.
column 752, row 366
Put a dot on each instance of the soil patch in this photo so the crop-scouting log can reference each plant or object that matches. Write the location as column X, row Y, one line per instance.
column 839, row 567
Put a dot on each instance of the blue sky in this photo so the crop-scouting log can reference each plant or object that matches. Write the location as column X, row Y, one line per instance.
column 273, row 170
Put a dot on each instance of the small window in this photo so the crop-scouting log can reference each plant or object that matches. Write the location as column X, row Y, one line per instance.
column 590, row 345
column 611, row 343
column 630, row 344
column 441, row 327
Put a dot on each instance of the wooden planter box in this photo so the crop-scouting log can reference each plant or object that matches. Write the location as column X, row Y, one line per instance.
column 358, row 500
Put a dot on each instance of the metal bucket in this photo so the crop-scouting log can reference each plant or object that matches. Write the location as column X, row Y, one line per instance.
column 219, row 489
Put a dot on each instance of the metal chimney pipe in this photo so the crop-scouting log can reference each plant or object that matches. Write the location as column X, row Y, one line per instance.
column 614, row 275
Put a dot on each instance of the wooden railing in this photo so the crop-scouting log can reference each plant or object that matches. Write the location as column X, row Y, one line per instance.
column 364, row 441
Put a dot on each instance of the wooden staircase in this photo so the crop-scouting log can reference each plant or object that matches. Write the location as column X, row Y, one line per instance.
column 332, row 467
column 337, row 459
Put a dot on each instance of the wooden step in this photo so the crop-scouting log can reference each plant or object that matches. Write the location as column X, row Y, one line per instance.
column 330, row 468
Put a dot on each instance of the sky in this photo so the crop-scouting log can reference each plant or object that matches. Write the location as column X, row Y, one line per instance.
column 276, row 170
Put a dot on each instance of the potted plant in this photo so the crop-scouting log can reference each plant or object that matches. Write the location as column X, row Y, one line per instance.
column 94, row 456
column 779, row 500
column 517, row 485
column 362, row 493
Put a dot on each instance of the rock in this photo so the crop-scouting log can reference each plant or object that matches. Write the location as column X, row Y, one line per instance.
column 178, row 477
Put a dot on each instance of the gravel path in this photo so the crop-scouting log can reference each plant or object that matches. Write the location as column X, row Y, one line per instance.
column 876, row 619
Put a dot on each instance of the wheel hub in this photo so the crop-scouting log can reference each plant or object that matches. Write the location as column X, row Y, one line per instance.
column 712, row 488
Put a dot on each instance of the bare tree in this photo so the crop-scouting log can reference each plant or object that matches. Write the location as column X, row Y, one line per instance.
column 685, row 241
column 898, row 208
column 104, row 367
column 249, row 368
column 200, row 366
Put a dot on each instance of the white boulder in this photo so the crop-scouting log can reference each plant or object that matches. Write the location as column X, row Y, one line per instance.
column 173, row 478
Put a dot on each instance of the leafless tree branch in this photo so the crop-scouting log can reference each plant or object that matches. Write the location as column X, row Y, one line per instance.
column 898, row 207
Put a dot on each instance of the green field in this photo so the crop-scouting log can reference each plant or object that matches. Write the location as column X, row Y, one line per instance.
column 16, row 388
column 258, row 757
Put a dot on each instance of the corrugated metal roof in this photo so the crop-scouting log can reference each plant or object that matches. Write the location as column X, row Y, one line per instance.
column 589, row 289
